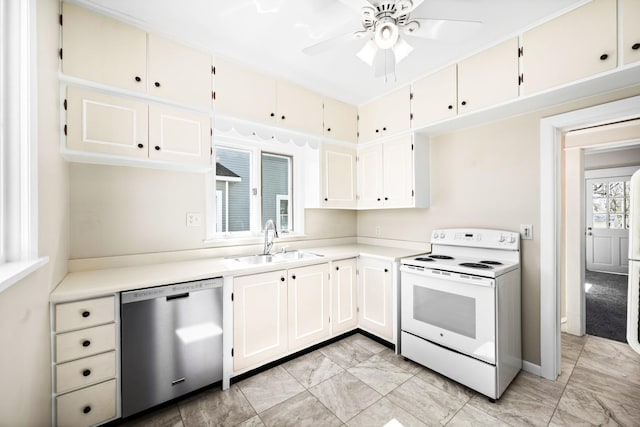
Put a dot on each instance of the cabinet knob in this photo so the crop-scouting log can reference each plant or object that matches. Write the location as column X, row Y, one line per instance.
column 283, row 117
column 603, row 57
column 377, row 131
column 140, row 145
column 86, row 372
column 86, row 313
column 463, row 103
column 293, row 277
column 378, row 198
column 138, row 79
column 450, row 107
column 386, row 270
column 157, row 84
column 386, row 198
column 337, row 268
column 86, row 343
column 328, row 129
column 326, row 199
column 282, row 279
column 384, row 129
column 86, row 409
column 635, row 46
column 272, row 114
column 157, row 147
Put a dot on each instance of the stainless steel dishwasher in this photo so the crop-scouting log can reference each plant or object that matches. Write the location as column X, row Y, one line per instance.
column 171, row 342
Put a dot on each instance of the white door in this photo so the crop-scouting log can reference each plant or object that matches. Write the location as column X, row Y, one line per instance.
column 607, row 222
column 397, row 172
column 370, row 179
column 375, row 297
column 339, row 177
column 344, row 296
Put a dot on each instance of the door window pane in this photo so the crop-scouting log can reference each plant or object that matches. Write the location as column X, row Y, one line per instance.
column 599, row 205
column 616, row 221
column 599, row 190
column 616, row 205
column 600, row 221
column 616, row 189
column 233, row 184
column 276, row 190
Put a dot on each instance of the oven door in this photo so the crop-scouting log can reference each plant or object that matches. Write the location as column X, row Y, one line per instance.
column 454, row 310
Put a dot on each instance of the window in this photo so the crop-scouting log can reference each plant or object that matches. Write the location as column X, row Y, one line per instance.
column 18, row 145
column 252, row 186
column 611, row 204
column 276, row 191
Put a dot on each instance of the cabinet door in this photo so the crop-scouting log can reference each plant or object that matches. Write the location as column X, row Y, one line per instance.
column 573, row 46
column 308, row 290
column 398, row 172
column 340, row 120
column 386, row 115
column 244, row 93
column 370, row 178
column 375, row 297
column 630, row 31
column 101, row 49
column 179, row 73
column 339, row 177
column 488, row 78
column 434, row 97
column 101, row 123
column 344, row 289
column 298, row 108
column 259, row 318
column 179, row 136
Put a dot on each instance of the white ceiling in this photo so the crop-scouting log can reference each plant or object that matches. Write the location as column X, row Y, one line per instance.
column 270, row 34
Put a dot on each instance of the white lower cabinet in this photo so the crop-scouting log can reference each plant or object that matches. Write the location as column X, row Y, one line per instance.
column 376, row 312
column 308, row 291
column 259, row 318
column 344, row 296
column 85, row 361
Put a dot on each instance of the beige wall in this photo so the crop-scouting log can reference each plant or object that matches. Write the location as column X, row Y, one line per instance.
column 612, row 159
column 487, row 176
column 25, row 388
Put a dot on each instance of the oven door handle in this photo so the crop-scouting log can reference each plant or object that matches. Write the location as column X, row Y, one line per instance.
column 448, row 275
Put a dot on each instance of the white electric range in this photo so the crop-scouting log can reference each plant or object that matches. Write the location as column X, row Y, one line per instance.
column 460, row 308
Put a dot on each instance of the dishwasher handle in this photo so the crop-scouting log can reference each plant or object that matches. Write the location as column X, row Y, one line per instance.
column 178, row 296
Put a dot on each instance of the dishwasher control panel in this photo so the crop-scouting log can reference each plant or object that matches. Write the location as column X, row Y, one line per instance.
column 169, row 290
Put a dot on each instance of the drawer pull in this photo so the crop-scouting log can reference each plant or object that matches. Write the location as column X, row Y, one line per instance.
column 604, row 57
column 86, row 372
column 86, row 409
column 635, row 46
column 86, row 313
column 86, row 343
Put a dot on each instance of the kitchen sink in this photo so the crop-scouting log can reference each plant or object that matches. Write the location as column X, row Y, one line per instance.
column 277, row 257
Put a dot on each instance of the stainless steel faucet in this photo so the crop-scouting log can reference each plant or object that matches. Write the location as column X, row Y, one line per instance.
column 269, row 226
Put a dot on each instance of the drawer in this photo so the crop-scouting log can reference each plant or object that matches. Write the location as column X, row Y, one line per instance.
column 85, row 342
column 85, row 371
column 87, row 406
column 83, row 314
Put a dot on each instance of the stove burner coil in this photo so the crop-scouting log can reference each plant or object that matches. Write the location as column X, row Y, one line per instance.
column 424, row 259
column 491, row 262
column 474, row 265
column 440, row 257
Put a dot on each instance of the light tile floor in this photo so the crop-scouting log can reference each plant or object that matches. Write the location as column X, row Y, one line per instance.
column 359, row 382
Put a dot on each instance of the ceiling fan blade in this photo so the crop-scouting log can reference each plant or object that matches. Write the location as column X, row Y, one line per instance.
column 384, row 63
column 440, row 29
column 404, row 7
column 330, row 43
column 357, row 5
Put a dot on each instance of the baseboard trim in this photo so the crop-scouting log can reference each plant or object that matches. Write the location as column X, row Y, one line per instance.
column 531, row 368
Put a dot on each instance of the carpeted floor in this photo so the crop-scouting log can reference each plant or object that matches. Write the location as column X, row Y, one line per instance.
column 606, row 305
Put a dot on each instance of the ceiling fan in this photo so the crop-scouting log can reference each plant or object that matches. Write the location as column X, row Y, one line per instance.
column 384, row 24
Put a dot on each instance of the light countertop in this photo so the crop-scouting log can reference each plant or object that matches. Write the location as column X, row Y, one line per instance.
column 90, row 284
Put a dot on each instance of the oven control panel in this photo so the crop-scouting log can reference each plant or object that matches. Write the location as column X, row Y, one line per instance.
column 474, row 237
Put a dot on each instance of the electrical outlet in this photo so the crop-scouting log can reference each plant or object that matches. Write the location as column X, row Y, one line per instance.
column 526, row 231
column 377, row 230
column 194, row 219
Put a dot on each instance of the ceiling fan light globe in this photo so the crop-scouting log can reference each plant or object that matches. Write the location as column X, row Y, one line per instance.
column 386, row 35
column 368, row 52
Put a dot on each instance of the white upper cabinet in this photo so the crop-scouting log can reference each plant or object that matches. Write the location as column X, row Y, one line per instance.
column 101, row 49
column 179, row 73
column 298, row 108
column 340, row 120
column 576, row 45
column 242, row 92
column 385, row 116
column 338, row 165
column 630, row 30
column 488, row 78
column 394, row 174
column 435, row 97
